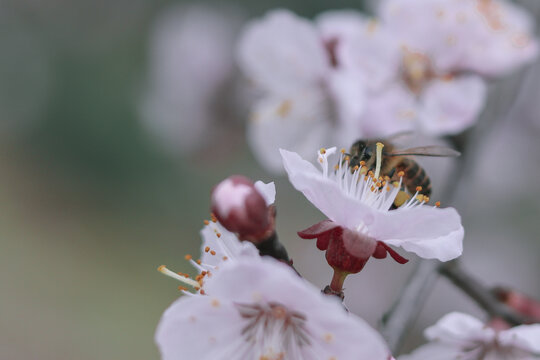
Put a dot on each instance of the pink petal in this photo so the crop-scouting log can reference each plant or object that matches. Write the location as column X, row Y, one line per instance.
column 298, row 122
column 390, row 111
column 451, row 106
column 282, row 52
column 459, row 329
column 325, row 194
column 429, row 232
column 526, row 337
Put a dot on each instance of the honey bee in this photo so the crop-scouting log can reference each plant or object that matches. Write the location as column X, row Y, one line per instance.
column 395, row 161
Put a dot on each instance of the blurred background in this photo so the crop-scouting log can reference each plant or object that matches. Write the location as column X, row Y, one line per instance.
column 105, row 175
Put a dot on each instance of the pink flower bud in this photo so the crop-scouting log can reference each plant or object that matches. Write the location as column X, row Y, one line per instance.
column 241, row 208
column 523, row 304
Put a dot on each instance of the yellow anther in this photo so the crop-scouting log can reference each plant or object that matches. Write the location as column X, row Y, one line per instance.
column 401, row 174
column 322, row 151
column 438, row 203
column 342, row 151
column 401, row 198
column 418, row 188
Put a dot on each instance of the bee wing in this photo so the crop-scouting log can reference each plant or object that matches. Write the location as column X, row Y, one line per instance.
column 432, row 150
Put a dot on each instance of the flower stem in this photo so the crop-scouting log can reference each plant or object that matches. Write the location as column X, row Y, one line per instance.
column 336, row 285
column 271, row 246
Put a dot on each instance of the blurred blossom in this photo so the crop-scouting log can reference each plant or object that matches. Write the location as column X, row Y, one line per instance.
column 191, row 84
column 307, row 99
column 488, row 37
column 406, row 89
column 461, row 336
column 260, row 308
column 446, row 47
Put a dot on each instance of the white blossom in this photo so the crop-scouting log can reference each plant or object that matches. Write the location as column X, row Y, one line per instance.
column 307, row 99
column 258, row 309
column 354, row 201
column 461, row 336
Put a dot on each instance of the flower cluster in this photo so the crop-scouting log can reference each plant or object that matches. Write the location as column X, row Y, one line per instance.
column 345, row 76
column 339, row 79
column 249, row 307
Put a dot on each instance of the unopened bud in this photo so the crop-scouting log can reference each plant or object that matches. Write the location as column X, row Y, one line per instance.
column 241, row 208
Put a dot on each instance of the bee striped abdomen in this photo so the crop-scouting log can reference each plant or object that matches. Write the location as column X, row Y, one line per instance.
column 414, row 176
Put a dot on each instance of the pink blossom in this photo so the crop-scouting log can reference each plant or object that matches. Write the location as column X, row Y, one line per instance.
column 191, row 60
column 489, row 37
column 306, row 98
column 406, row 88
column 358, row 208
column 461, row 336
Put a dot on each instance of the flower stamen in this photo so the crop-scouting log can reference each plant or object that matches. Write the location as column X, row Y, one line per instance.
column 163, row 269
column 379, row 159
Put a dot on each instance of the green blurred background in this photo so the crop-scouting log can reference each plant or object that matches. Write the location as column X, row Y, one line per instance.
column 90, row 205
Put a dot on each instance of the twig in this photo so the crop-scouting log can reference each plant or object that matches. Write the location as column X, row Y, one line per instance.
column 483, row 296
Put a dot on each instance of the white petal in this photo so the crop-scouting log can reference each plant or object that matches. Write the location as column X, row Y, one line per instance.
column 526, row 337
column 459, row 329
column 374, row 52
column 333, row 331
column 268, row 191
column 390, row 111
column 429, row 232
column 349, row 94
column 225, row 245
column 298, row 122
column 199, row 328
column 282, row 52
column 449, row 107
column 325, row 194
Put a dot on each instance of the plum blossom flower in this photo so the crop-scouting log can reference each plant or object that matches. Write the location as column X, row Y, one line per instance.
column 260, row 309
column 360, row 224
column 461, row 336
column 407, row 89
column 191, row 62
column 306, row 98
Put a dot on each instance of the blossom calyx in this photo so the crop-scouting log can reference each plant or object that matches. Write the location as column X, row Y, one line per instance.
column 242, row 208
column 346, row 250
